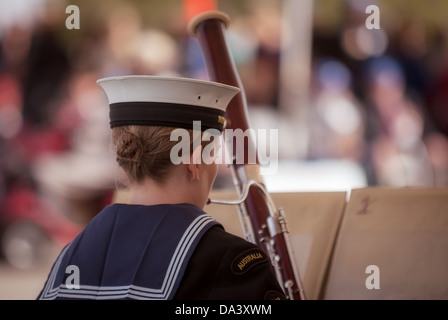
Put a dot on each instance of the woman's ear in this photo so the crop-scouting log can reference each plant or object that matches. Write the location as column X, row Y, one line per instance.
column 194, row 165
column 193, row 171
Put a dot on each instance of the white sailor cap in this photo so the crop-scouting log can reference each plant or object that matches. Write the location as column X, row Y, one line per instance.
column 166, row 101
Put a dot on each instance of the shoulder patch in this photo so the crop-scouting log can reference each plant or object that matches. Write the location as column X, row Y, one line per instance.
column 274, row 295
column 248, row 259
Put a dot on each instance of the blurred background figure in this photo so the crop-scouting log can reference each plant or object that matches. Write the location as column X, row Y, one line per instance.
column 399, row 155
column 337, row 119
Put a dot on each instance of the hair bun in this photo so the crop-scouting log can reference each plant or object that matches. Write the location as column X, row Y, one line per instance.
column 129, row 147
column 143, row 151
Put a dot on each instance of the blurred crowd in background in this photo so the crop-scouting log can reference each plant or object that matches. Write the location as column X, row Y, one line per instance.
column 376, row 98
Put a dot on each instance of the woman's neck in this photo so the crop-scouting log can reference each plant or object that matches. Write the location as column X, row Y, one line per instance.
column 172, row 190
column 150, row 192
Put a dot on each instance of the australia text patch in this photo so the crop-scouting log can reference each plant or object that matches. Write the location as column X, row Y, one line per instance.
column 245, row 261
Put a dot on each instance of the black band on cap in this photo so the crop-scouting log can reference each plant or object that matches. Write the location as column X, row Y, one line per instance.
column 165, row 115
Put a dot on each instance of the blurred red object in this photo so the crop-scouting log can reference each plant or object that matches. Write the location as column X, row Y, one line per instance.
column 32, row 143
column 194, row 7
column 29, row 224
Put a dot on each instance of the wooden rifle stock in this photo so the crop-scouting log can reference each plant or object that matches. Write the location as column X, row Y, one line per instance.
column 268, row 226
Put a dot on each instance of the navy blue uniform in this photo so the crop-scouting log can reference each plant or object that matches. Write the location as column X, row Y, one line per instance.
column 159, row 252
